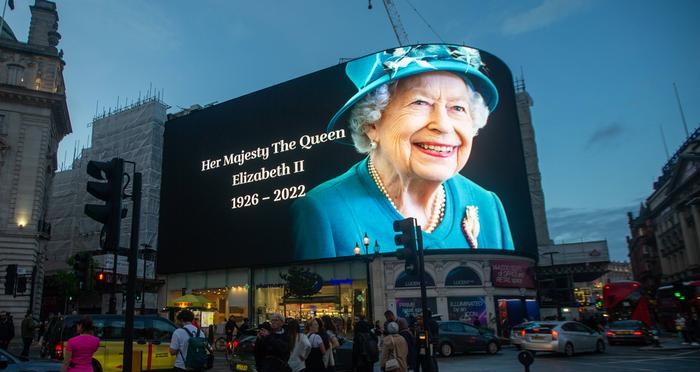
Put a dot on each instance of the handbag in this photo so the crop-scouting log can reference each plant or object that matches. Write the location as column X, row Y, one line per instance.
column 392, row 363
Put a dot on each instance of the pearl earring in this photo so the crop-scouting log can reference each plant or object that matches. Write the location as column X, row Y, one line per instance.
column 373, row 145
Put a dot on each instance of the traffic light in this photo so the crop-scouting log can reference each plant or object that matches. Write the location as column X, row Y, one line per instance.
column 82, row 267
column 111, row 213
column 407, row 243
column 10, row 279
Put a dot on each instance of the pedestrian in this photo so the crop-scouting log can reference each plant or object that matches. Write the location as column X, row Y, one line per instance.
column 394, row 351
column 693, row 329
column 388, row 318
column 405, row 332
column 179, row 343
column 365, row 348
column 273, row 346
column 682, row 329
column 245, row 326
column 329, row 357
column 27, row 333
column 40, row 332
column 377, row 329
column 314, row 361
column 7, row 330
column 230, row 327
column 299, row 347
column 77, row 356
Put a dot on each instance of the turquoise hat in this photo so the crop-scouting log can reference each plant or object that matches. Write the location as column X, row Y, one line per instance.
column 369, row 72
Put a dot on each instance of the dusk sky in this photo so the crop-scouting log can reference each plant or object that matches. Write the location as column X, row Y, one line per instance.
column 600, row 72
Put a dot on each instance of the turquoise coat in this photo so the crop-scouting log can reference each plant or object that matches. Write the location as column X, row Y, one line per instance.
column 335, row 215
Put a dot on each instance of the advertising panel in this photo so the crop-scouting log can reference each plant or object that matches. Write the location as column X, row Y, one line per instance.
column 411, row 307
column 303, row 170
column 512, row 273
column 470, row 309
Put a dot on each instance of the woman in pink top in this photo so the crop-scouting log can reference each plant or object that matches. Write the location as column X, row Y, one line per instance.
column 79, row 349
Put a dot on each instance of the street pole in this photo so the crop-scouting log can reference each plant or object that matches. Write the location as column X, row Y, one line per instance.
column 131, row 280
column 428, row 362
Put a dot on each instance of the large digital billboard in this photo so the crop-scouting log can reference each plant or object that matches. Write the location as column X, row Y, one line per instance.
column 304, row 170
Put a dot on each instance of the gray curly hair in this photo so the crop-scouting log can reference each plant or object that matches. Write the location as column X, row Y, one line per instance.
column 369, row 110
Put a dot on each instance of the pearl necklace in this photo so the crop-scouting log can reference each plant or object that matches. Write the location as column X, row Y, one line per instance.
column 437, row 210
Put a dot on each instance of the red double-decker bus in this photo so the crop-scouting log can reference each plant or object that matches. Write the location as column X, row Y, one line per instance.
column 624, row 300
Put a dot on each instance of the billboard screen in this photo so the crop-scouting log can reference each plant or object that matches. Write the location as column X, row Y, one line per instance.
column 304, row 170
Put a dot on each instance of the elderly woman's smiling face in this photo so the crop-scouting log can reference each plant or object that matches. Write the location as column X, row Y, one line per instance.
column 426, row 130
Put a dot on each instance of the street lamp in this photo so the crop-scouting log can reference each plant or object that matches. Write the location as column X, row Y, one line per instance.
column 367, row 258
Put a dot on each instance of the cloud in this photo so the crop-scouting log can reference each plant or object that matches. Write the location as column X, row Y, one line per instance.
column 548, row 12
column 573, row 225
column 606, row 134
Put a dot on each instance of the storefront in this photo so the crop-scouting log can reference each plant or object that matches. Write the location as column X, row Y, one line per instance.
column 476, row 288
column 257, row 293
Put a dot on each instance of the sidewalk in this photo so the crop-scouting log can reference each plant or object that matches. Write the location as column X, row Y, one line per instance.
column 16, row 346
column 669, row 342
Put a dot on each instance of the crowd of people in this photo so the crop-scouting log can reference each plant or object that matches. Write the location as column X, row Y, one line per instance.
column 282, row 345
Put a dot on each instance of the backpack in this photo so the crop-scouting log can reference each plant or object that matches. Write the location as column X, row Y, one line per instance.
column 197, row 351
column 370, row 348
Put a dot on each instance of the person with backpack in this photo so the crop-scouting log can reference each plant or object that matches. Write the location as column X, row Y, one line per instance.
column 314, row 361
column 189, row 345
column 329, row 356
column 365, row 348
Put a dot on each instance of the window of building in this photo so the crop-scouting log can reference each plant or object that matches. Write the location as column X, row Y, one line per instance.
column 15, row 75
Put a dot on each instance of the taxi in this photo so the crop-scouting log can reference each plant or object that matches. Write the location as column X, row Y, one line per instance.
column 152, row 336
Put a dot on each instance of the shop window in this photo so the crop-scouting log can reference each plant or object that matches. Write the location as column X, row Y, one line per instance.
column 462, row 276
column 408, row 280
column 15, row 75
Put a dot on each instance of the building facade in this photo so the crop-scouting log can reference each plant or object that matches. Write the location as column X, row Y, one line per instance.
column 134, row 133
column 33, row 120
column 666, row 233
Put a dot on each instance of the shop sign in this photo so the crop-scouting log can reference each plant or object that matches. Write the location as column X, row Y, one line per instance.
column 407, row 280
column 462, row 276
column 407, row 307
column 512, row 273
column 312, row 300
column 467, row 308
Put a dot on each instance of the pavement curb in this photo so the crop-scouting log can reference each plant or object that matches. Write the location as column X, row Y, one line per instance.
column 668, row 348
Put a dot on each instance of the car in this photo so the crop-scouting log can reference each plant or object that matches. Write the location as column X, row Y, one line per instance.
column 13, row 363
column 629, row 331
column 568, row 337
column 517, row 333
column 457, row 336
column 152, row 335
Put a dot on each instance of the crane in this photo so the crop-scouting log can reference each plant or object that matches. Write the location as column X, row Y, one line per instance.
column 395, row 20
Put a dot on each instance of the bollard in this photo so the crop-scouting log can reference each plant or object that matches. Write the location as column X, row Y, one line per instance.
column 526, row 359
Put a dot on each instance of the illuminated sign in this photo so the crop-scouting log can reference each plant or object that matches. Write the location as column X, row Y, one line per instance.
column 273, row 177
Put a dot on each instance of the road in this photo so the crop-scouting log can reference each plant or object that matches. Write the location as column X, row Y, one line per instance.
column 616, row 359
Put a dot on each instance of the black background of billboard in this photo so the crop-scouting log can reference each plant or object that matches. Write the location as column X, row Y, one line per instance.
column 199, row 231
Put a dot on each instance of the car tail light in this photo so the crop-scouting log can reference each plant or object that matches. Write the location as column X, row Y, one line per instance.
column 235, row 344
column 522, row 333
column 610, row 334
column 637, row 333
column 555, row 334
column 58, row 349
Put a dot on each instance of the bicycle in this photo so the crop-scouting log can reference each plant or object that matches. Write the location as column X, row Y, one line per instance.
column 226, row 346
